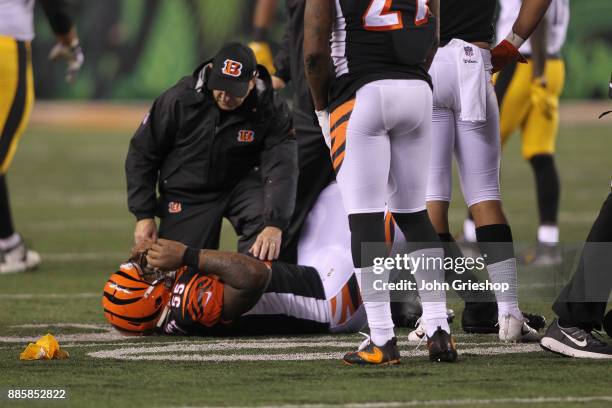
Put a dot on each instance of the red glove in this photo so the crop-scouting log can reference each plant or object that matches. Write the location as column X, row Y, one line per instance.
column 503, row 54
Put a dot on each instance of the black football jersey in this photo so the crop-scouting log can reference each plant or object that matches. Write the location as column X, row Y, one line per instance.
column 293, row 302
column 379, row 39
column 467, row 20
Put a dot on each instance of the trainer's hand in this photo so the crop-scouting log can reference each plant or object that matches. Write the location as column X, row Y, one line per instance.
column 267, row 245
column 69, row 49
column 278, row 83
column 166, row 255
column 503, row 54
column 146, row 230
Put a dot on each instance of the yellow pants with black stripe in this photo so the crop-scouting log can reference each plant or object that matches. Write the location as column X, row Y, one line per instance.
column 531, row 108
column 16, row 96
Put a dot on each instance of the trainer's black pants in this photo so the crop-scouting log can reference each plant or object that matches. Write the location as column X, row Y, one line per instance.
column 198, row 225
column 582, row 301
column 316, row 173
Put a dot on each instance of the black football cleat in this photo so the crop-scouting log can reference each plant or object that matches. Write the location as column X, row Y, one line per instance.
column 371, row 354
column 536, row 322
column 574, row 342
column 441, row 347
column 481, row 318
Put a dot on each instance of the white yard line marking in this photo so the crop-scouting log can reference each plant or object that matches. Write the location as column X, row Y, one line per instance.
column 92, row 326
column 454, row 402
column 106, row 333
column 82, row 256
column 194, row 352
column 78, row 223
column 73, row 199
column 20, row 296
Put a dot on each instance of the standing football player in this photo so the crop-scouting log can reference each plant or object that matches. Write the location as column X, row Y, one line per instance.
column 17, row 98
column 466, row 124
column 528, row 95
column 379, row 132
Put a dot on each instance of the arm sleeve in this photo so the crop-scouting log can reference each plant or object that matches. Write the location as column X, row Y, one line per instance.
column 57, row 12
column 282, row 60
column 146, row 153
column 279, row 167
column 205, row 301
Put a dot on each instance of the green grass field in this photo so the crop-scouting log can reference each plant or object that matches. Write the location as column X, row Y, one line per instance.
column 68, row 195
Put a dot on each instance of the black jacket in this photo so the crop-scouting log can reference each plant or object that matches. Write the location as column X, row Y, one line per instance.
column 289, row 64
column 197, row 153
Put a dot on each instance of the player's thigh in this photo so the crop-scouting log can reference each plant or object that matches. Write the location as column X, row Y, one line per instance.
column 478, row 152
column 360, row 152
column 409, row 118
column 542, row 125
column 513, row 98
column 195, row 225
column 16, row 96
column 439, row 185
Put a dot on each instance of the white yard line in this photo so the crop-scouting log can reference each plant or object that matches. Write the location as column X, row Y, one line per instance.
column 453, row 402
column 19, row 296
column 72, row 198
column 78, row 223
column 199, row 352
column 82, row 256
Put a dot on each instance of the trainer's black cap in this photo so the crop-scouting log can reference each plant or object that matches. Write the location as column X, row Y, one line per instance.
column 233, row 67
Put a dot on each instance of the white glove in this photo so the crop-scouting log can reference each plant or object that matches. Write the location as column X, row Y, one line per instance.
column 73, row 54
column 323, row 117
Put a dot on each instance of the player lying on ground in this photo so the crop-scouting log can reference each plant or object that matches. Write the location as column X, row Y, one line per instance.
column 215, row 292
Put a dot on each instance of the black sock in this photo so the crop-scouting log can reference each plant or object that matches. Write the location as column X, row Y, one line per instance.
column 495, row 242
column 368, row 229
column 417, row 228
column 452, row 250
column 547, row 187
column 6, row 221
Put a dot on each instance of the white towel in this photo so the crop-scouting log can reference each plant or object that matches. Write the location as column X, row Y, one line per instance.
column 472, row 80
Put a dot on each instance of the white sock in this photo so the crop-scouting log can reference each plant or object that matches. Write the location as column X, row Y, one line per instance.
column 10, row 242
column 504, row 272
column 548, row 234
column 469, row 230
column 377, row 305
column 434, row 300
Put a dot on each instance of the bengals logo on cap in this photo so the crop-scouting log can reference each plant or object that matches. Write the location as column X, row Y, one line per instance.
column 232, row 68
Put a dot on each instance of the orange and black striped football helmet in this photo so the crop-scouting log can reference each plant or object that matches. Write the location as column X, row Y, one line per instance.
column 132, row 304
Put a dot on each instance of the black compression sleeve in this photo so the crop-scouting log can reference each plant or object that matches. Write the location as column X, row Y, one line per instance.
column 57, row 12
